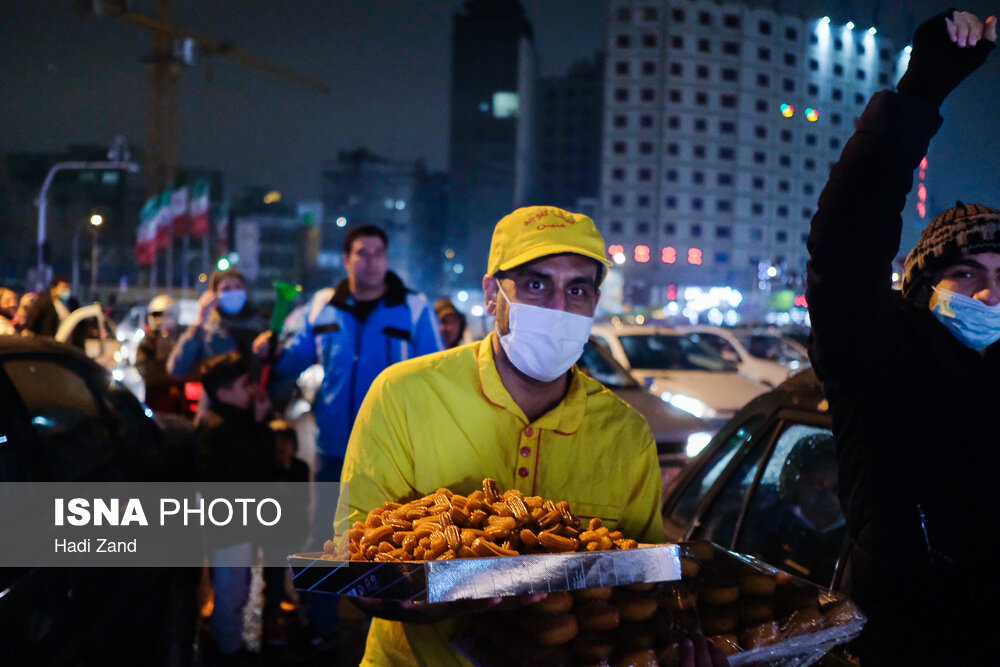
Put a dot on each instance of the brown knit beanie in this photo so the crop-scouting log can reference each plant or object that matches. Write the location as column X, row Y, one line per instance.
column 971, row 227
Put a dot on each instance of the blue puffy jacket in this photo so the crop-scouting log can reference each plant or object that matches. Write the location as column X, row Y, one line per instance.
column 403, row 325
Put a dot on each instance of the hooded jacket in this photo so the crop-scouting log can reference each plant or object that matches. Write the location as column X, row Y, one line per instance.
column 352, row 352
column 916, row 414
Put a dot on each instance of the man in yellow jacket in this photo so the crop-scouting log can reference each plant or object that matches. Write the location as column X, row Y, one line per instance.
column 512, row 407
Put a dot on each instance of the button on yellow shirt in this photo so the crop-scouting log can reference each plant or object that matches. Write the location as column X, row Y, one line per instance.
column 446, row 419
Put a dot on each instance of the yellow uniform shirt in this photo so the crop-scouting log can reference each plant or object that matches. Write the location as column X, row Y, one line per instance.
column 446, row 419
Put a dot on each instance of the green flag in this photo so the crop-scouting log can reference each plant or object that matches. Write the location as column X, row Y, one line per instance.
column 285, row 294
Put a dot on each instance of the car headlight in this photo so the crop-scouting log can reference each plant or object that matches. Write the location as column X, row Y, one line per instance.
column 688, row 404
column 697, row 442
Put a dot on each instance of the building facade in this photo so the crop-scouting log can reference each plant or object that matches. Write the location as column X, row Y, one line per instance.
column 568, row 121
column 490, row 149
column 721, row 121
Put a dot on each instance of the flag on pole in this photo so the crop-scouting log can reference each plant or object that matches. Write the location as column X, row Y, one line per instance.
column 179, row 211
column 145, row 246
column 164, row 221
column 199, row 209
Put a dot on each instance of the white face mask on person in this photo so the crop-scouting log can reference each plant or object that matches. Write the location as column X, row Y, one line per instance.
column 971, row 321
column 232, row 301
column 544, row 343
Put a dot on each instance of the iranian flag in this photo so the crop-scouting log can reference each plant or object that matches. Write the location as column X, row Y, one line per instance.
column 199, row 209
column 179, row 211
column 145, row 245
column 164, row 220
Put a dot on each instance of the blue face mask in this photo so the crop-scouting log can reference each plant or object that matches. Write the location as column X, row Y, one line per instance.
column 232, row 301
column 972, row 322
column 65, row 296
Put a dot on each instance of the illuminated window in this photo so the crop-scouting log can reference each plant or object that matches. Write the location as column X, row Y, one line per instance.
column 694, row 256
column 668, row 255
column 504, row 105
column 641, row 254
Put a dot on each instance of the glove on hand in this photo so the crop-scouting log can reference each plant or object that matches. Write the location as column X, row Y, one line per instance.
column 938, row 65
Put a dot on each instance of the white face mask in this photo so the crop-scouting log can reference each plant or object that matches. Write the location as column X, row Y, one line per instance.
column 544, row 343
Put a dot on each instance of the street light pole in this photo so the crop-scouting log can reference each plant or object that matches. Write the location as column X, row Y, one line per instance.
column 95, row 225
column 118, row 158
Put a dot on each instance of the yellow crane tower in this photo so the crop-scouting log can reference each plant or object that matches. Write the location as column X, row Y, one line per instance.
column 173, row 46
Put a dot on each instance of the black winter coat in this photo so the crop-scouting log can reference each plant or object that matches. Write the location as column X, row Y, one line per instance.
column 916, row 414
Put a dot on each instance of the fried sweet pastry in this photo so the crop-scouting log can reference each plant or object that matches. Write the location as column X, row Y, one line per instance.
column 755, row 609
column 558, row 602
column 679, row 597
column 591, row 648
column 637, row 659
column 555, row 629
column 727, row 643
column 804, row 622
column 601, row 593
column 718, row 620
column 637, row 607
column 764, row 634
column 757, row 583
column 597, row 616
column 719, row 593
column 484, row 524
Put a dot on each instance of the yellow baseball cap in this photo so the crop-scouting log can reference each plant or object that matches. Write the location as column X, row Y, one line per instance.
column 536, row 231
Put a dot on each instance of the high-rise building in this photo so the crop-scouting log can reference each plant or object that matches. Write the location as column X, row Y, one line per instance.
column 401, row 197
column 493, row 74
column 721, row 122
column 568, row 120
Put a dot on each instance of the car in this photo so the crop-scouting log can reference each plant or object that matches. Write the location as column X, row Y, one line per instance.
column 760, row 354
column 91, row 330
column 680, row 369
column 64, row 420
column 131, row 329
column 679, row 435
column 766, row 485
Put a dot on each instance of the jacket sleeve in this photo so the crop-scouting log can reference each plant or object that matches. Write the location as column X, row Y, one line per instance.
column 427, row 332
column 187, row 354
column 299, row 353
column 855, row 233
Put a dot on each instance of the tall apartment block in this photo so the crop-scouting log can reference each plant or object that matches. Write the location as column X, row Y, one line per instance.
column 721, row 122
column 493, row 73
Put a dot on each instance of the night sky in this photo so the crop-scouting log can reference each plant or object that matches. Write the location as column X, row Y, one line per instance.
column 67, row 79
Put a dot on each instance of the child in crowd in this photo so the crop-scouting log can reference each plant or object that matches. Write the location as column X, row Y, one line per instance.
column 234, row 445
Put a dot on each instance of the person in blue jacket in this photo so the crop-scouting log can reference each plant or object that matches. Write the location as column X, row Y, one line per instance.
column 355, row 331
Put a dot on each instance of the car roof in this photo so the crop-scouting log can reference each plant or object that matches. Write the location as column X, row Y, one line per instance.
column 802, row 390
column 38, row 345
column 633, row 329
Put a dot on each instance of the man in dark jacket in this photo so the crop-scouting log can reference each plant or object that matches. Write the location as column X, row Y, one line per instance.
column 50, row 308
column 912, row 378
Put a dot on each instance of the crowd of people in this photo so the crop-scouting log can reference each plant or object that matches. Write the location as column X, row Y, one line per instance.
column 407, row 405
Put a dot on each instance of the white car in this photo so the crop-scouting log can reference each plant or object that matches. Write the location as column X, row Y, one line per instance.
column 680, row 369
column 760, row 354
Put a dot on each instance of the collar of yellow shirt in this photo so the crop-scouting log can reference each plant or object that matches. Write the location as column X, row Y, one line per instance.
column 565, row 418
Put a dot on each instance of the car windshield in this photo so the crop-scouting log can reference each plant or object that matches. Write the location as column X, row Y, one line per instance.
column 598, row 364
column 672, row 352
column 771, row 347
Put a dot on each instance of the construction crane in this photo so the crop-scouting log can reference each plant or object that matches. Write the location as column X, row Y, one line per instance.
column 173, row 47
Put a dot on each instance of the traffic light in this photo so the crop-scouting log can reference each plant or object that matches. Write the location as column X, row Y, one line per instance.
column 223, row 264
